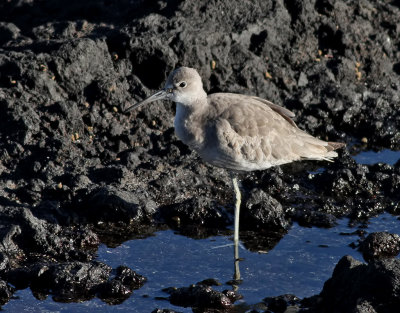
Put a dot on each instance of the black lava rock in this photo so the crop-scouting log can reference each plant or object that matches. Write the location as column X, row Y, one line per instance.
column 196, row 217
column 67, row 282
column 121, row 286
column 281, row 303
column 110, row 205
column 355, row 285
column 199, row 296
column 77, row 281
column 74, row 169
column 6, row 292
column 263, row 213
column 380, row 245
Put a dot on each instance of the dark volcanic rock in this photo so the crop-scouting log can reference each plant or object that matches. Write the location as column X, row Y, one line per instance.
column 6, row 292
column 353, row 285
column 200, row 296
column 364, row 307
column 8, row 32
column 312, row 218
column 263, row 213
column 77, row 281
column 381, row 245
column 72, row 281
column 27, row 237
column 73, row 169
column 281, row 303
column 121, row 286
column 263, row 221
column 196, row 216
column 109, row 205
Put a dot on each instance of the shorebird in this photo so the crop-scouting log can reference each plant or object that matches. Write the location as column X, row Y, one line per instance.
column 236, row 132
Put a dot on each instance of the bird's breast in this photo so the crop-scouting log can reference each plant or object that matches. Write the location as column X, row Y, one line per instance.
column 188, row 129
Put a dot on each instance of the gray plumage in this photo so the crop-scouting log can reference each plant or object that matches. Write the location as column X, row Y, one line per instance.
column 235, row 131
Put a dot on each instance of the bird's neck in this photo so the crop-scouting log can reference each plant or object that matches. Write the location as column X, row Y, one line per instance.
column 188, row 123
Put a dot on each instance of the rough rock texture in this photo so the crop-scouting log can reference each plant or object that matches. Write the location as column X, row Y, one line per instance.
column 381, row 245
column 197, row 217
column 282, row 304
column 75, row 171
column 264, row 213
column 6, row 292
column 355, row 287
column 202, row 297
column 76, row 281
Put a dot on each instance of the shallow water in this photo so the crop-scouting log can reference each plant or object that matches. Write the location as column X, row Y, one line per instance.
column 383, row 156
column 299, row 264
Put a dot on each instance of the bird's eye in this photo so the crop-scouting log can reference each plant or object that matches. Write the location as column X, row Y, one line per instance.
column 182, row 84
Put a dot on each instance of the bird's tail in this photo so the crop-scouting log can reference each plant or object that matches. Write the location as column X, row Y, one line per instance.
column 317, row 149
column 335, row 145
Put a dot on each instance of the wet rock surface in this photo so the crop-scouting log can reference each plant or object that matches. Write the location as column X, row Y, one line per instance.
column 381, row 245
column 76, row 281
column 6, row 292
column 355, row 286
column 282, row 303
column 75, row 171
column 202, row 297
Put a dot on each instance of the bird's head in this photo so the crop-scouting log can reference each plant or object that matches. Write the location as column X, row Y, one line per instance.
column 183, row 85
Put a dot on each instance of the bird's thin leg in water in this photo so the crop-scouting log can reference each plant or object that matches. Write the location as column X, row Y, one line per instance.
column 236, row 226
column 236, row 276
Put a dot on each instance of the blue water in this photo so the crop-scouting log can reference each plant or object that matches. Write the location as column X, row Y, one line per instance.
column 300, row 263
column 372, row 157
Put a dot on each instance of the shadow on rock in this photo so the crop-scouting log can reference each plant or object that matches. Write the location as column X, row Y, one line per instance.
column 355, row 286
column 116, row 215
column 77, row 281
column 197, row 217
column 202, row 298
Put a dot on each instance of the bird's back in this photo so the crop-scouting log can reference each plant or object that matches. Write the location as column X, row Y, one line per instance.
column 248, row 133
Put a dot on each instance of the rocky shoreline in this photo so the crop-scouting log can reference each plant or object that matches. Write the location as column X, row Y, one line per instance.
column 75, row 171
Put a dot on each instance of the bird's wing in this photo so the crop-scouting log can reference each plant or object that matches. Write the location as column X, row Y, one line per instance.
column 249, row 132
column 285, row 113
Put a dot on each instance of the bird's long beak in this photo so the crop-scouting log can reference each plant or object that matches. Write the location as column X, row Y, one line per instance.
column 159, row 95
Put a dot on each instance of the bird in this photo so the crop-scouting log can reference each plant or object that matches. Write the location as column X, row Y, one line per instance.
column 240, row 133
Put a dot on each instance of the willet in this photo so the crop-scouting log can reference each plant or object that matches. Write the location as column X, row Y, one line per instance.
column 236, row 132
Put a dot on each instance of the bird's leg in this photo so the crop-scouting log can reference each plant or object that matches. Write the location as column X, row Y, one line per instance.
column 236, row 275
column 238, row 199
column 236, row 227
